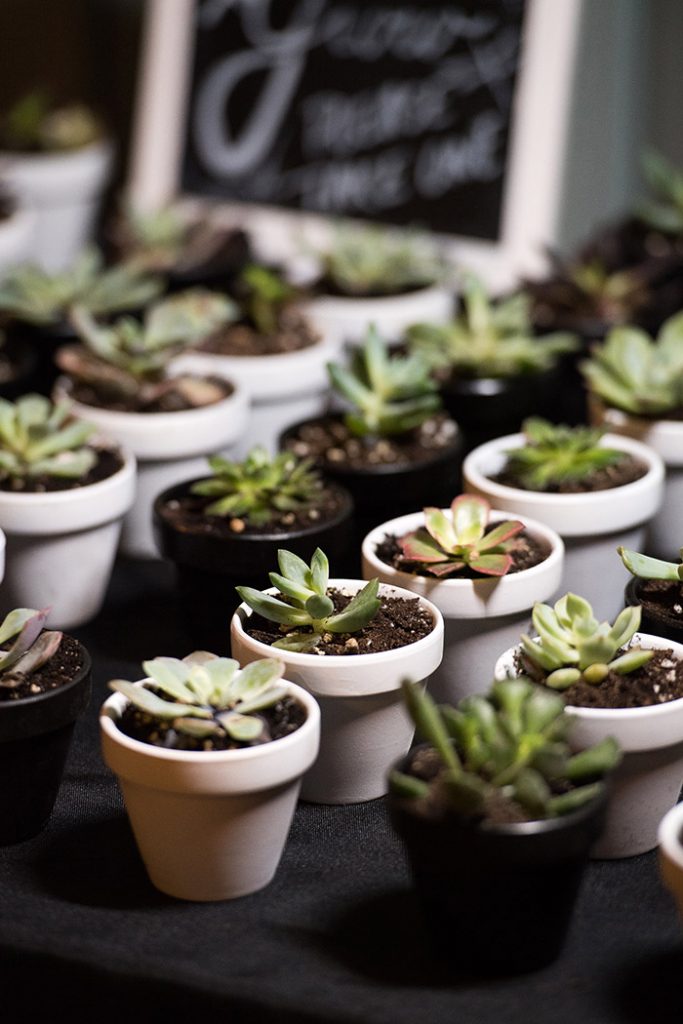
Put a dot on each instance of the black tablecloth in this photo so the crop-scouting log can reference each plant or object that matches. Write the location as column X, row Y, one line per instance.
column 335, row 937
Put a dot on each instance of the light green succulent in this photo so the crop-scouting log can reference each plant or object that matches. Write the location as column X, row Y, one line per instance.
column 633, row 372
column 309, row 610
column 265, row 295
column 574, row 646
column 35, row 123
column 554, row 455
column 32, row 648
column 211, row 697
column 40, row 297
column 39, row 438
column 647, row 568
column 488, row 339
column 664, row 212
column 508, row 746
column 373, row 260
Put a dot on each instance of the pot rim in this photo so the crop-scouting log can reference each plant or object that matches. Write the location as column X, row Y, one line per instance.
column 39, row 700
column 71, row 495
column 670, row 835
column 327, row 299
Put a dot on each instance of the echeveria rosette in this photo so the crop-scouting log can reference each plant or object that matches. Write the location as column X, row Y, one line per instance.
column 266, row 295
column 32, row 648
column 308, row 603
column 554, row 454
column 39, row 438
column 448, row 545
column 648, row 568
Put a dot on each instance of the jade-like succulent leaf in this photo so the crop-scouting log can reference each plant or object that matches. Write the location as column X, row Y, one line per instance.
column 241, row 727
column 272, row 609
column 362, row 607
column 648, row 568
column 470, row 516
column 491, row 565
column 154, row 705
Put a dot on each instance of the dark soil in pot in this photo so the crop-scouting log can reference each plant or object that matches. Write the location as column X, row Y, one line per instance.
column 662, row 604
column 212, row 557
column 498, row 898
column 294, row 333
column 109, row 461
column 18, row 365
column 626, row 471
column 525, row 551
column 36, row 725
column 171, row 400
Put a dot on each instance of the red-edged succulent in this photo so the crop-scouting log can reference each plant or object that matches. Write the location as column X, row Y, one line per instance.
column 447, row 544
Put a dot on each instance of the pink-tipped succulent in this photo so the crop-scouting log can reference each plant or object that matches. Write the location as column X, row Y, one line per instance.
column 446, row 545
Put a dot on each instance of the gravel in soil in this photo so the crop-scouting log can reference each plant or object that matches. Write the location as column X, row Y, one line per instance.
column 294, row 334
column 399, row 621
column 525, row 550
column 626, row 471
column 62, row 667
column 331, row 443
column 169, row 401
column 109, row 461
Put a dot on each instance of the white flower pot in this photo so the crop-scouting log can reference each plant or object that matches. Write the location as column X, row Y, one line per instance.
column 670, row 838
column 64, row 190
column 480, row 615
column 170, row 447
column 61, row 546
column 648, row 781
column 16, row 238
column 664, row 532
column 592, row 525
column 392, row 314
column 364, row 724
column 283, row 388
column 210, row 825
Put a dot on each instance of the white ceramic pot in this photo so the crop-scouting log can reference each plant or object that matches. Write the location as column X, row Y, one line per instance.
column 210, row 825
column 670, row 838
column 16, row 238
column 392, row 314
column 664, row 533
column 61, row 546
column 63, row 190
column 283, row 389
column 364, row 724
column 170, row 447
column 481, row 615
column 648, row 781
column 592, row 525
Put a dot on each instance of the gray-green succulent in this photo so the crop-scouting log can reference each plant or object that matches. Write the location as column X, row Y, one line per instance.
column 373, row 260
column 265, row 294
column 554, row 455
column 32, row 646
column 39, row 438
column 509, row 746
column 647, row 568
column 307, row 612
column 36, row 123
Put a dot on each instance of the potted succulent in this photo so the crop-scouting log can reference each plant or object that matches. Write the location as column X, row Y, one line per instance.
column 498, row 817
column 226, row 529
column 491, row 369
column 394, row 449
column 615, row 682
column 482, row 571
column 210, row 758
column 656, row 586
column 596, row 491
column 120, row 377
column 44, row 687
column 57, row 160
column 63, row 495
column 37, row 303
column 670, row 838
column 349, row 644
column 374, row 274
column 636, row 389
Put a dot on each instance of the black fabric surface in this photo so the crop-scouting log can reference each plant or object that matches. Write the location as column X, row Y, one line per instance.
column 335, row 937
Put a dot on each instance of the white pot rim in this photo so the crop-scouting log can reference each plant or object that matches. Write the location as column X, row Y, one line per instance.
column 574, row 515
column 71, row 495
column 670, row 834
column 663, row 435
column 464, row 598
column 43, row 159
column 436, row 288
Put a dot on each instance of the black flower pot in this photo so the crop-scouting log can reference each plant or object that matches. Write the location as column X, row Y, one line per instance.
column 654, row 620
column 208, row 568
column 35, row 734
column 498, row 898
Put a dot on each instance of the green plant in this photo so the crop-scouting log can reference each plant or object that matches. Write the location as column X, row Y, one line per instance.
column 265, row 294
column 573, row 645
column 446, row 546
column 488, row 339
column 664, row 212
column 260, row 486
column 509, row 748
column 212, row 698
column 38, row 438
column 633, row 372
column 374, row 260
column 647, row 568
column 308, row 605
column 35, row 123
column 389, row 394
column 554, row 455
column 32, row 648
column 39, row 297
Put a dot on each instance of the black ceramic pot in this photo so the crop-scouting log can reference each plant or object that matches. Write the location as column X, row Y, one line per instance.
column 209, row 568
column 35, row 734
column 654, row 620
column 498, row 899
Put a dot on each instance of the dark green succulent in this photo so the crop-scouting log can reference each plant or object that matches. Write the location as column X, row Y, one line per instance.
column 265, row 293
column 554, row 455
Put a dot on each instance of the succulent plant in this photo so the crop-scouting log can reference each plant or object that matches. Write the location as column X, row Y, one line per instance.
column 35, row 123
column 39, row 438
column 389, row 394
column 586, row 289
column 447, row 545
column 264, row 294
column 508, row 747
column 39, row 297
column 554, row 455
column 130, row 357
column 32, row 647
column 633, row 372
column 488, row 339
column 374, row 260
column 211, row 697
column 259, row 487
column 647, row 568
column 665, row 211
column 574, row 646
column 308, row 605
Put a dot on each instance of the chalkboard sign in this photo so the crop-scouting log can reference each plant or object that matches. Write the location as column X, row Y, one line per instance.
column 388, row 109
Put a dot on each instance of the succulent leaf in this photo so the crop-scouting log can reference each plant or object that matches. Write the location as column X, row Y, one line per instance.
column 648, row 568
column 380, row 261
